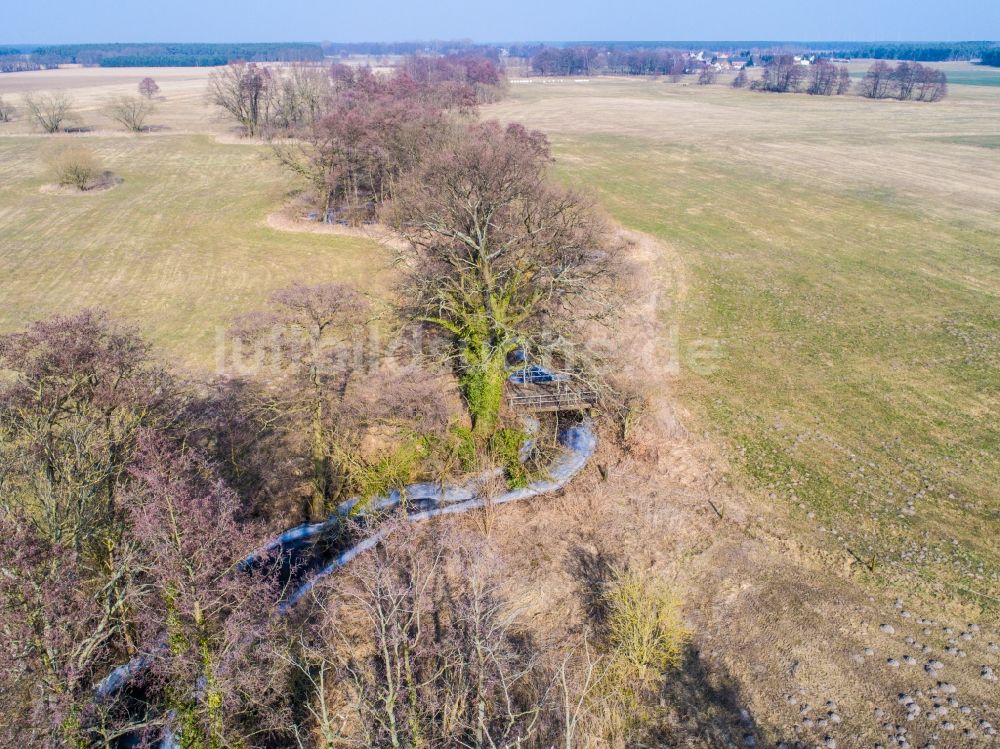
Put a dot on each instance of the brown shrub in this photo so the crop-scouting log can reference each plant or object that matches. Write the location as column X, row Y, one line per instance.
column 75, row 166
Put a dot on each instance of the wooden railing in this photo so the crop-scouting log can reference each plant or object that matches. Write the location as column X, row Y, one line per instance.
column 553, row 401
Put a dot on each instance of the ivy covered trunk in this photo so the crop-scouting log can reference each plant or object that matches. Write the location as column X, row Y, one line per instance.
column 482, row 383
column 197, row 708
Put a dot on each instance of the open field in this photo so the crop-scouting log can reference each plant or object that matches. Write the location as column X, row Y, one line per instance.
column 845, row 256
column 180, row 246
column 836, row 263
column 182, row 104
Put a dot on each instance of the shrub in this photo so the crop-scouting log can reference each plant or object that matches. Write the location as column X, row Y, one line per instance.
column 465, row 447
column 7, row 111
column 75, row 167
column 645, row 632
column 613, row 688
column 392, row 468
column 505, row 448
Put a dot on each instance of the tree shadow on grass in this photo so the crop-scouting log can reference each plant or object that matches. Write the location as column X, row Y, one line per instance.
column 700, row 704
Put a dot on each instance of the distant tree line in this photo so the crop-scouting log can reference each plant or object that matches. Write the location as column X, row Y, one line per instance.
column 991, row 57
column 614, row 61
column 906, row 81
column 566, row 61
column 17, row 60
column 162, row 55
column 445, row 48
column 9, row 65
column 914, row 51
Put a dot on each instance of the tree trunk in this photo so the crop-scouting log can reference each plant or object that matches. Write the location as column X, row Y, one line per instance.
column 317, row 501
column 482, row 385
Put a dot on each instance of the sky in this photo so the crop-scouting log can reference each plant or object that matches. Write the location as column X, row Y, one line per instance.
column 69, row 21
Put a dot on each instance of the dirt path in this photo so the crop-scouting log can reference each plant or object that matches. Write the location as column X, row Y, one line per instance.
column 284, row 220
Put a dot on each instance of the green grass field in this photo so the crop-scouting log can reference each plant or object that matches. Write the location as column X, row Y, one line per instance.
column 859, row 344
column 987, row 77
column 856, row 309
column 178, row 248
column 981, row 76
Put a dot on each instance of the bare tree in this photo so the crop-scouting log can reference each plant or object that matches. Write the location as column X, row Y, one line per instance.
column 130, row 112
column 707, row 76
column 433, row 655
column 300, row 96
column 308, row 337
column 822, row 78
column 354, row 155
column 929, row 84
column 81, row 389
column 904, row 78
column 877, row 83
column 243, row 90
column 148, row 88
column 783, row 74
column 60, row 633
column 496, row 254
column 843, row 81
column 740, row 81
column 215, row 617
column 7, row 111
column 49, row 111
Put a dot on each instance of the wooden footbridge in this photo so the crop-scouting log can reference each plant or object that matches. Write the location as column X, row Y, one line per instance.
column 541, row 390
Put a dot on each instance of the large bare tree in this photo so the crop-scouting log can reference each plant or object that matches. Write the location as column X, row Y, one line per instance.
column 822, row 78
column 49, row 111
column 131, row 112
column 782, row 74
column 243, row 90
column 307, row 336
column 497, row 255
column 82, row 389
column 300, row 95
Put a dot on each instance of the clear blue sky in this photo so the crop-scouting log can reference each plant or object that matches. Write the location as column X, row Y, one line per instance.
column 54, row 21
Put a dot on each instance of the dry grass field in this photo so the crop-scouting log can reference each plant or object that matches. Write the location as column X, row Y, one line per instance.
column 181, row 245
column 843, row 254
column 819, row 324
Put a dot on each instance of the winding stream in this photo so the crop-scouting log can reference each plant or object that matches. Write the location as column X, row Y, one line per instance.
column 310, row 552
